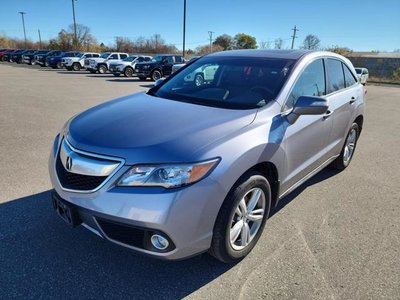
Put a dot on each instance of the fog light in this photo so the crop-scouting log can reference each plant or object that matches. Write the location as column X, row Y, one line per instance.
column 159, row 242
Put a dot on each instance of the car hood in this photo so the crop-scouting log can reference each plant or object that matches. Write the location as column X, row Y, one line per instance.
column 146, row 129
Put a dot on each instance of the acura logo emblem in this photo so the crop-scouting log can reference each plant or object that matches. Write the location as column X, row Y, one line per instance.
column 68, row 163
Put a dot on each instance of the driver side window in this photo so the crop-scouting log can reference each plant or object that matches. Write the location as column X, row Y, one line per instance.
column 310, row 83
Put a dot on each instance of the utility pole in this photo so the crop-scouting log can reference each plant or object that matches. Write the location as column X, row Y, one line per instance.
column 294, row 35
column 40, row 40
column 73, row 13
column 184, row 28
column 23, row 24
column 210, row 34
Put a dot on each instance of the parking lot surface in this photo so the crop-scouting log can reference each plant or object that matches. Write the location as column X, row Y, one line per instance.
column 335, row 237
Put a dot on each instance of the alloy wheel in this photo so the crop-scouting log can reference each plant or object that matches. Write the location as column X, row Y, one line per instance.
column 247, row 219
column 349, row 146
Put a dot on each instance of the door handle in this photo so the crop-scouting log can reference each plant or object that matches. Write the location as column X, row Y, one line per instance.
column 327, row 114
column 352, row 100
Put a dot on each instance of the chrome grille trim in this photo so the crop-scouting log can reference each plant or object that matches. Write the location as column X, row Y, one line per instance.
column 118, row 161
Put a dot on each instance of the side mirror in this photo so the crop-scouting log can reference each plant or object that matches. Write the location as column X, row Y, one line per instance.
column 308, row 105
column 158, row 81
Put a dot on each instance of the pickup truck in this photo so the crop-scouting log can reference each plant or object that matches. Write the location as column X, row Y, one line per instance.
column 127, row 65
column 78, row 62
column 100, row 64
column 158, row 67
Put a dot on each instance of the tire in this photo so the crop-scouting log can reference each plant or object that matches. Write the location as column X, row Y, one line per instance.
column 155, row 75
column 59, row 65
column 116, row 74
column 349, row 147
column 222, row 248
column 76, row 66
column 199, row 79
column 128, row 72
column 102, row 69
column 142, row 78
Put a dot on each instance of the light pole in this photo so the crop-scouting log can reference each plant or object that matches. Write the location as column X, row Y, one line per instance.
column 184, row 27
column 73, row 14
column 23, row 24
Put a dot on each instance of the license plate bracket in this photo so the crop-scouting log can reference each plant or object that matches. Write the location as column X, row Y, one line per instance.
column 65, row 211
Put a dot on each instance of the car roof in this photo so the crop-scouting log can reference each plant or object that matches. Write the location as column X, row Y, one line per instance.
column 282, row 54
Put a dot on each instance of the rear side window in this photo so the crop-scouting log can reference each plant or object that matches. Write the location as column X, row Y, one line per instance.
column 348, row 76
column 310, row 83
column 335, row 75
column 123, row 56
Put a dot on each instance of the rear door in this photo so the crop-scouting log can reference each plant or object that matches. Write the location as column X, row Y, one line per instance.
column 343, row 92
column 306, row 140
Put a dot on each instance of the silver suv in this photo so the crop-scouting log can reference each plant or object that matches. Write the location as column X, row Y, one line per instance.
column 187, row 167
column 100, row 64
column 127, row 65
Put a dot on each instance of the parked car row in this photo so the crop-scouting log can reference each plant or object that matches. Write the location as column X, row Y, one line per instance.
column 117, row 63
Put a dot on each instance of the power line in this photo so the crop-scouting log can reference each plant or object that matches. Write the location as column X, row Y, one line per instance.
column 294, row 35
column 210, row 34
column 23, row 24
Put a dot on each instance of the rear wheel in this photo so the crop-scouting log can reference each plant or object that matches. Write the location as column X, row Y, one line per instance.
column 347, row 153
column 241, row 219
column 155, row 75
column 76, row 66
column 128, row 72
column 198, row 80
column 59, row 65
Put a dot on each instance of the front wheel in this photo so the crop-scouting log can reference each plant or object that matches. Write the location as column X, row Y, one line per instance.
column 76, row 66
column 347, row 153
column 155, row 75
column 102, row 69
column 241, row 219
column 128, row 72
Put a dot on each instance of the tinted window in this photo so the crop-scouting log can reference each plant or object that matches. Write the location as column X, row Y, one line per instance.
column 95, row 55
column 123, row 56
column 358, row 71
column 310, row 83
column 230, row 82
column 348, row 76
column 147, row 58
column 169, row 59
column 140, row 59
column 178, row 59
column 335, row 75
column 88, row 55
column 114, row 56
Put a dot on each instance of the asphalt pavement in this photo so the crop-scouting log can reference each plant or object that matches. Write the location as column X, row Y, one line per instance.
column 335, row 237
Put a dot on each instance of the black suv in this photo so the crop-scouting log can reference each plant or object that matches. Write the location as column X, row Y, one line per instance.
column 158, row 67
column 41, row 59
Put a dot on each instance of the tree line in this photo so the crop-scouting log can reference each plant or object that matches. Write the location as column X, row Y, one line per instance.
column 85, row 41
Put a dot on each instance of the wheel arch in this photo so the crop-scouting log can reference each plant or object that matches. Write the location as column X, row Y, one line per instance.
column 360, row 121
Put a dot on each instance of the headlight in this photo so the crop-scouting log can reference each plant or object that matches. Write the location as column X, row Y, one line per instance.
column 167, row 176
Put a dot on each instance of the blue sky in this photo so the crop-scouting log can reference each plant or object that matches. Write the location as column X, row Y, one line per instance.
column 358, row 24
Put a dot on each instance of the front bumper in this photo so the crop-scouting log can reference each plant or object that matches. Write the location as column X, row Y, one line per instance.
column 186, row 215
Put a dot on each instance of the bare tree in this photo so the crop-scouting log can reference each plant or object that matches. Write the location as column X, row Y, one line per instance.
column 311, row 42
column 265, row 45
column 279, row 43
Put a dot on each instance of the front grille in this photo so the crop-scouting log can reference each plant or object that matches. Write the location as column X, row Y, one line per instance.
column 75, row 181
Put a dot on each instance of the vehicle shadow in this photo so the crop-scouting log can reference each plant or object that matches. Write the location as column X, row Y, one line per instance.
column 42, row 257
column 123, row 79
column 321, row 176
column 100, row 75
column 73, row 72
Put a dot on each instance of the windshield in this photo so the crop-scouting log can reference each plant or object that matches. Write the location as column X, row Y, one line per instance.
column 130, row 58
column 105, row 55
column 358, row 71
column 229, row 82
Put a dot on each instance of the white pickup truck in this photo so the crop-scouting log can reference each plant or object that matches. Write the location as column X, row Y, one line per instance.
column 100, row 64
column 78, row 62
